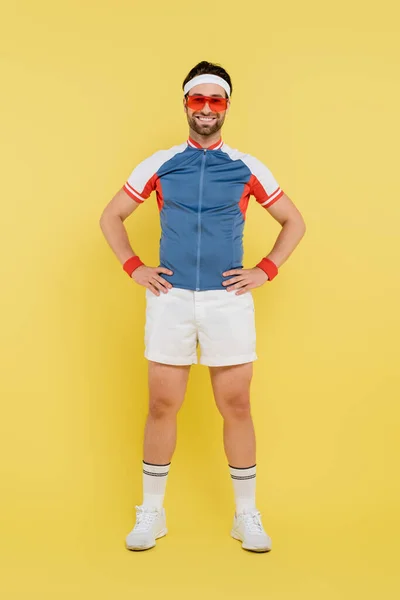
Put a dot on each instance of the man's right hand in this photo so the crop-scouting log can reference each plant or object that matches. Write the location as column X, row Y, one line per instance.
column 149, row 277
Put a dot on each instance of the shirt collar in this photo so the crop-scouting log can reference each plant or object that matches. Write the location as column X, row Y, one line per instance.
column 191, row 142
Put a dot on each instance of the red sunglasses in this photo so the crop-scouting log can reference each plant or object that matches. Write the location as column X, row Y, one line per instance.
column 216, row 103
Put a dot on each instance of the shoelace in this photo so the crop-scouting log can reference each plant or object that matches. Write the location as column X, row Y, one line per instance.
column 145, row 519
column 252, row 522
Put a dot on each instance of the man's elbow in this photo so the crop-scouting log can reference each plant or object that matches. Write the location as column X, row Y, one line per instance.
column 302, row 226
column 296, row 222
column 105, row 218
column 299, row 222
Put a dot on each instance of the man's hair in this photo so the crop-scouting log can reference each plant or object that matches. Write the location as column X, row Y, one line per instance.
column 207, row 68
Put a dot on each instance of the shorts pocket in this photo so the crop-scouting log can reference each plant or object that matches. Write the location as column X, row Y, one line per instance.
column 247, row 299
column 150, row 295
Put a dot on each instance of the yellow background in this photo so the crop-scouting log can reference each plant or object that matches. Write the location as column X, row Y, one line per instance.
column 89, row 89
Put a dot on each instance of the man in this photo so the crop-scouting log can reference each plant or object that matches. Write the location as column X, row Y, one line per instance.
column 200, row 293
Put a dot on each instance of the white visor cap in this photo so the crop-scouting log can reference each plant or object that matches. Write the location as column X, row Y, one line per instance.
column 207, row 79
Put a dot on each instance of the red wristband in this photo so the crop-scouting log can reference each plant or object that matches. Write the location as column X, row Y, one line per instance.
column 268, row 267
column 131, row 264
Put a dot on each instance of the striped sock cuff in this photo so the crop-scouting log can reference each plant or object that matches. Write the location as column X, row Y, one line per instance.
column 242, row 474
column 155, row 470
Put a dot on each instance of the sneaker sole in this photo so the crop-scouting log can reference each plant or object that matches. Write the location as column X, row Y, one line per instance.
column 251, row 548
column 162, row 533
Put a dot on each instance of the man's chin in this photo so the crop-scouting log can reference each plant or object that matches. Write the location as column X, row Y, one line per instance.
column 205, row 129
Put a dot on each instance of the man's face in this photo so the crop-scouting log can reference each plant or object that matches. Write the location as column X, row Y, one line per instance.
column 211, row 121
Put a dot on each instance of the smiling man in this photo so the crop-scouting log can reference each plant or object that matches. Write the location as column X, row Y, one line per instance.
column 200, row 294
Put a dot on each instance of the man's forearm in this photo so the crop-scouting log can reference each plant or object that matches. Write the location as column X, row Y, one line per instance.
column 289, row 237
column 116, row 235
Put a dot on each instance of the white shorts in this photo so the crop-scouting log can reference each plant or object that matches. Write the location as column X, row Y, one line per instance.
column 222, row 323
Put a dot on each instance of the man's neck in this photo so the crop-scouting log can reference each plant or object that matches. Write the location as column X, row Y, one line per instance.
column 205, row 141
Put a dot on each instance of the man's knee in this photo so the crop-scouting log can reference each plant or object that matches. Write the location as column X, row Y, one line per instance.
column 236, row 406
column 162, row 406
column 167, row 386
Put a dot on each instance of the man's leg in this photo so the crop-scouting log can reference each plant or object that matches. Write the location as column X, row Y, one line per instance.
column 231, row 387
column 167, row 387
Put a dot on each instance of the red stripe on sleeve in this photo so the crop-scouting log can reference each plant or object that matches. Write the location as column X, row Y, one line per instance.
column 274, row 200
column 133, row 196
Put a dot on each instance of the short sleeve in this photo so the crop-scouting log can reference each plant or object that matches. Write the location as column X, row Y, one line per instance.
column 263, row 185
column 143, row 179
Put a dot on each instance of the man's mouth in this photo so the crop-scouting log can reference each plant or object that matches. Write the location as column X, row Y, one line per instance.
column 206, row 119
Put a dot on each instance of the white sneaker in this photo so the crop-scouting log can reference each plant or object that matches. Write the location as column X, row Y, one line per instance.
column 150, row 525
column 247, row 528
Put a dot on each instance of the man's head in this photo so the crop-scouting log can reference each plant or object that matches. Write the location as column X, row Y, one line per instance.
column 206, row 118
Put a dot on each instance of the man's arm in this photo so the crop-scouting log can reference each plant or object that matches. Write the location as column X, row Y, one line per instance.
column 112, row 226
column 293, row 229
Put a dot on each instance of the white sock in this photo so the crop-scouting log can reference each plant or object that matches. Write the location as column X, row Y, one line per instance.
column 244, row 486
column 154, row 484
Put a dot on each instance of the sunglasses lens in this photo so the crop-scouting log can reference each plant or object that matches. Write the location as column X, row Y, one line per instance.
column 198, row 102
column 195, row 102
column 218, row 104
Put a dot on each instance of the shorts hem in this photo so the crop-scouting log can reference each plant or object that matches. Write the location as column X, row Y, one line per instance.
column 171, row 360
column 228, row 361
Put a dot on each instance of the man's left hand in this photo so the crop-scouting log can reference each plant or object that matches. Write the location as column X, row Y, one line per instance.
column 244, row 279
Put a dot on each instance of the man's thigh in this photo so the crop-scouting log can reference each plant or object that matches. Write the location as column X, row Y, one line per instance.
column 231, row 385
column 167, row 384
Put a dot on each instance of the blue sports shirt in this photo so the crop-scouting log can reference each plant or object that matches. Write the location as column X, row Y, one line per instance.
column 202, row 196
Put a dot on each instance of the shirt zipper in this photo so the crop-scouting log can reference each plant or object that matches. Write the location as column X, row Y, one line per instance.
column 199, row 220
